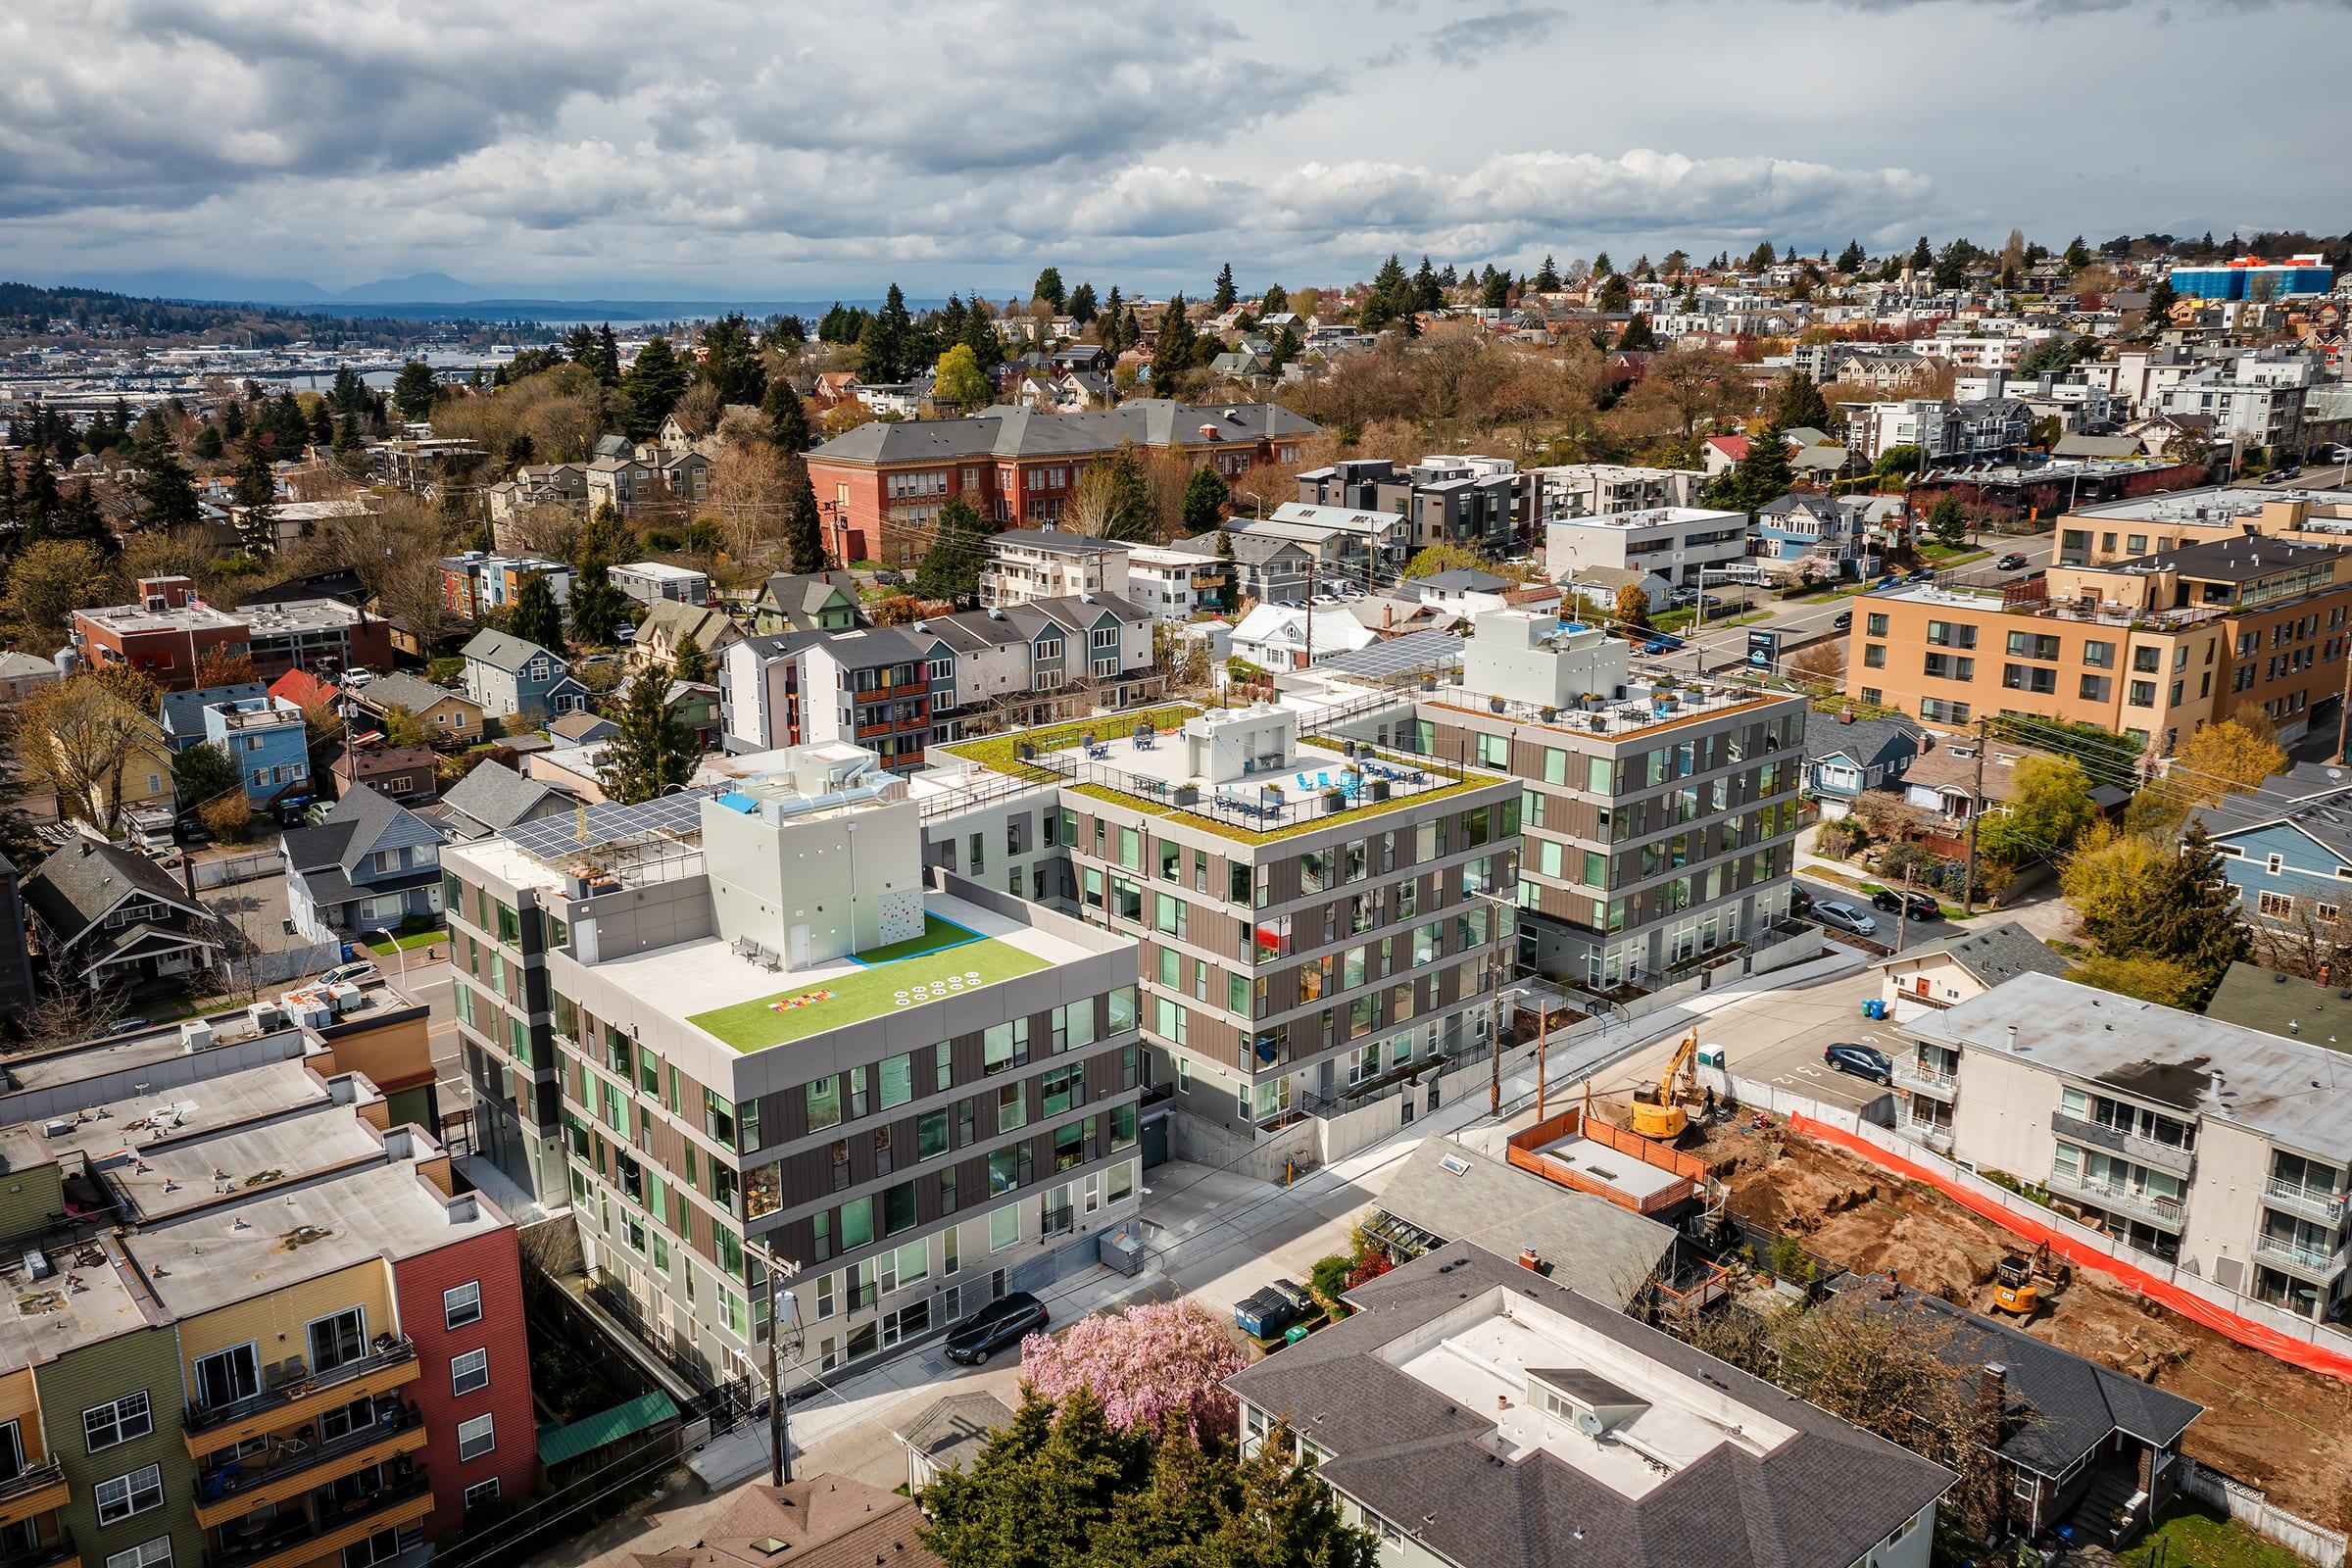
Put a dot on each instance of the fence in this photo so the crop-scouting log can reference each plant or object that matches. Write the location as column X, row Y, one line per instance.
column 2252, row 1322
column 2252, row 1508
column 236, row 868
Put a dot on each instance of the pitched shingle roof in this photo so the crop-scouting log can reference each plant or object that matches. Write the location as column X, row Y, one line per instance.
column 83, row 880
column 504, row 651
column 1990, row 953
column 494, row 797
column 1009, row 432
column 416, row 695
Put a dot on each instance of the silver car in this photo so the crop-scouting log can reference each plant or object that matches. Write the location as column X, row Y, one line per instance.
column 1845, row 918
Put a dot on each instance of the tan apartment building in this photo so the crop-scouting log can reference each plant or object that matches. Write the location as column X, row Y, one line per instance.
column 2140, row 525
column 2152, row 647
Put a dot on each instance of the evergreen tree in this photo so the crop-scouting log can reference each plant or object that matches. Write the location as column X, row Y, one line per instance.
column 536, row 617
column 1496, row 292
column 1946, row 522
column 2161, row 300
column 1081, row 305
column 607, row 351
column 803, row 530
column 1285, row 347
column 1851, row 259
column 1449, row 279
column 980, row 335
column 322, row 423
column 1601, row 267
column 886, row 349
column 1133, row 516
column 1428, row 294
column 1205, row 498
column 1172, row 352
column 608, row 534
column 1798, row 403
column 1761, row 477
column 2189, row 916
column 1922, row 258
column 2077, row 255
column 1047, row 288
column 1390, row 298
column 1615, row 295
column 166, row 491
column 1275, row 299
column 951, row 567
column 414, row 391
column 651, row 387
column 597, row 607
column 347, row 442
column 207, row 445
column 1547, row 276
column 1225, row 295
column 8, row 498
column 256, row 491
column 687, row 661
column 1952, row 263
column 579, row 346
column 787, row 416
column 731, row 361
column 1638, row 334
column 1106, row 330
column 654, row 748
column 78, row 517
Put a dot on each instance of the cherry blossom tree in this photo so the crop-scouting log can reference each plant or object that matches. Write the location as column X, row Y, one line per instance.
column 1143, row 1364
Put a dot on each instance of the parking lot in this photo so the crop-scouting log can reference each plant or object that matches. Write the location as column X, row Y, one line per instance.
column 1777, row 1038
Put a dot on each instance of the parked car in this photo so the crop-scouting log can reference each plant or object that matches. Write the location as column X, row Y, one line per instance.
column 350, row 974
column 1844, row 916
column 1890, row 581
column 1844, row 620
column 889, row 579
column 1269, row 1311
column 290, row 808
column 1799, row 900
column 1663, row 645
column 1922, row 907
column 1005, row 1321
column 2010, row 561
column 1920, row 574
column 1859, row 1060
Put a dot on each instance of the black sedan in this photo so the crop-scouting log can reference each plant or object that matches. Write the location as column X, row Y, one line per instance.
column 1861, row 1060
column 1920, row 574
column 1922, row 907
column 2010, row 561
column 1000, row 1323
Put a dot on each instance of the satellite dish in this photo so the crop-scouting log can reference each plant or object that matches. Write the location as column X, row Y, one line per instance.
column 1588, row 1423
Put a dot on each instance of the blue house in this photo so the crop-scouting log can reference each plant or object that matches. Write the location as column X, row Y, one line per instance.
column 1846, row 756
column 2286, row 847
column 265, row 738
column 510, row 676
column 1799, row 525
column 181, row 713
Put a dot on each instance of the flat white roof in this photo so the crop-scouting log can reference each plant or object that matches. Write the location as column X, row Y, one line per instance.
column 1636, row 1178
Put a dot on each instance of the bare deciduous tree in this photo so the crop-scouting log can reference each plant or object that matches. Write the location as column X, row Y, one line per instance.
column 77, row 738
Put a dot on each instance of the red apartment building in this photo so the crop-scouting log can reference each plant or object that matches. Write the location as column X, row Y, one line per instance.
column 462, row 1307
column 170, row 629
column 881, row 485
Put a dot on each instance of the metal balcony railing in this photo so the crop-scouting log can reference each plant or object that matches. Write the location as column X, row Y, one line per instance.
column 32, row 1478
column 2311, row 1203
column 291, row 1530
column 2171, row 1157
column 2312, row 1262
column 215, row 1482
column 2160, row 1211
column 1917, row 1076
column 201, row 1417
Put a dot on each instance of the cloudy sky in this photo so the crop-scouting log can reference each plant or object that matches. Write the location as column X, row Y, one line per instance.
column 756, row 149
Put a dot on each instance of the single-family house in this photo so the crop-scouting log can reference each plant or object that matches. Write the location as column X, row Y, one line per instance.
column 110, row 919
column 181, row 714
column 513, row 677
column 813, row 600
column 493, row 798
column 581, row 726
column 1719, row 455
column 22, row 674
column 1931, row 976
column 1846, row 756
column 1800, row 526
column 2286, row 847
column 670, row 622
column 1277, row 637
column 304, row 689
column 267, row 742
column 370, row 865
column 452, row 718
column 404, row 773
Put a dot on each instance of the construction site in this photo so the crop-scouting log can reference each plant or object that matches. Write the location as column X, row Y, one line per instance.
column 2268, row 1424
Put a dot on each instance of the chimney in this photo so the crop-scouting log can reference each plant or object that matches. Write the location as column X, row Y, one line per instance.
column 1993, row 1389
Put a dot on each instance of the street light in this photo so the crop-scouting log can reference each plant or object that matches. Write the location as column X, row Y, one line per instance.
column 379, row 931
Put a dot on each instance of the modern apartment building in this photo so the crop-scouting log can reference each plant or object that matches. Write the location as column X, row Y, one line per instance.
column 2255, row 401
column 2152, row 647
column 650, row 582
column 1594, row 489
column 2138, row 525
column 1659, row 817
column 2250, row 278
column 1026, row 565
column 1314, row 921
column 1945, row 431
column 251, row 1324
column 736, row 1022
column 169, row 630
column 1471, row 1412
column 1671, row 545
column 1483, row 503
column 2201, row 1143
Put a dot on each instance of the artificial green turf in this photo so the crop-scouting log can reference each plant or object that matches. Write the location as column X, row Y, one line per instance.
column 861, row 993
column 937, row 934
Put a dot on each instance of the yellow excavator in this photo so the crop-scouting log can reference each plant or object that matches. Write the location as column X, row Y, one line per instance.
column 2019, row 1281
column 1658, row 1112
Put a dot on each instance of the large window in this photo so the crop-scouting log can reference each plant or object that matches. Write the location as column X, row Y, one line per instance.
column 226, row 1376
column 156, row 1554
column 476, row 1437
column 338, row 1338
column 462, row 1306
column 896, row 1076
column 135, row 1493
column 470, row 1372
column 103, row 1426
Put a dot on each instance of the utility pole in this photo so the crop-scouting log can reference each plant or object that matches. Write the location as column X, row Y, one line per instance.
column 1976, row 809
column 1311, row 562
column 1902, row 915
column 1542, row 1053
column 1494, row 1037
column 2343, row 716
column 779, row 1422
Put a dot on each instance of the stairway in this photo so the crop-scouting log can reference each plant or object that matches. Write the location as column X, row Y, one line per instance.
column 2111, row 1491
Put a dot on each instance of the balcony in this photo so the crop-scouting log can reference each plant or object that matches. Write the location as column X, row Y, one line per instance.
column 1921, row 1079
column 2144, row 1150
column 31, row 1491
column 2311, row 1263
column 59, row 1553
column 227, row 1492
column 1927, row 1134
column 209, row 1428
column 2162, row 1213
column 2308, row 1202
column 295, row 1538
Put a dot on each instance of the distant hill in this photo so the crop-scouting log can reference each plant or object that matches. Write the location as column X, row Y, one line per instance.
column 417, row 288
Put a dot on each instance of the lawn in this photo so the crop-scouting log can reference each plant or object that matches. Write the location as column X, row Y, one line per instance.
column 2192, row 1536
column 1001, row 752
column 899, row 975
column 413, row 941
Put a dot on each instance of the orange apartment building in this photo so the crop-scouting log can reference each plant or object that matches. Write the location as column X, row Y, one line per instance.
column 2151, row 647
column 2119, row 530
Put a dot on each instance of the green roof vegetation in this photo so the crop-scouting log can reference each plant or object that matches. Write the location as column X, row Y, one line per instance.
column 939, row 963
column 1001, row 752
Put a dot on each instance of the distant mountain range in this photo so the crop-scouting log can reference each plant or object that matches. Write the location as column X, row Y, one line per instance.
column 437, row 294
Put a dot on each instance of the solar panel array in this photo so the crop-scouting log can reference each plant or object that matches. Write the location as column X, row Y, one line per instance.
column 1400, row 656
column 569, row 833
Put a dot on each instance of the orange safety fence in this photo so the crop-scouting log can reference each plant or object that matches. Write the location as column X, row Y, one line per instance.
column 2245, row 1330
